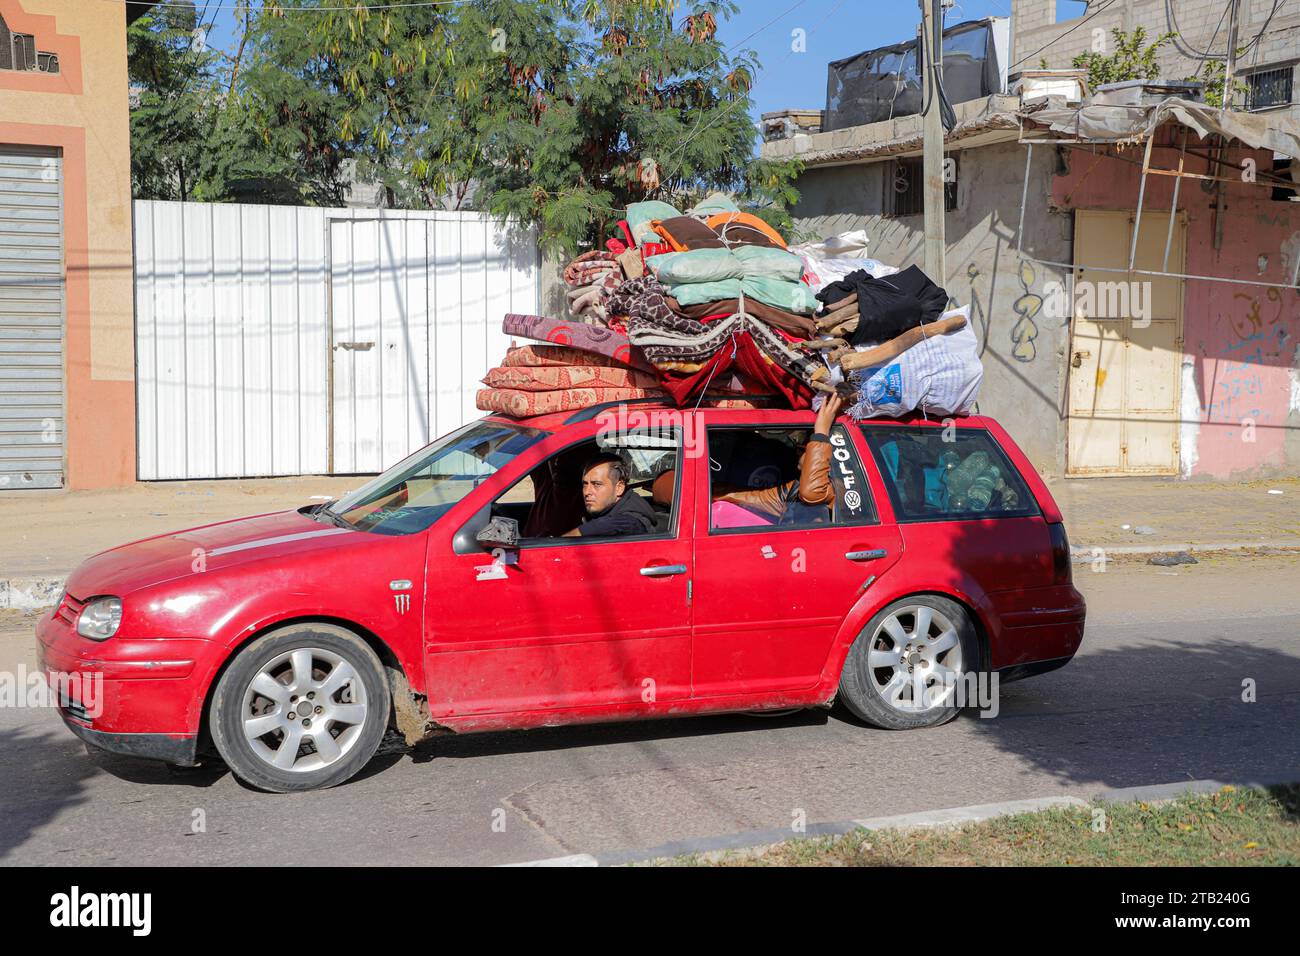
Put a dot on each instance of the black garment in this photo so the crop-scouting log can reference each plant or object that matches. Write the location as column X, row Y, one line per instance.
column 890, row 306
column 629, row 515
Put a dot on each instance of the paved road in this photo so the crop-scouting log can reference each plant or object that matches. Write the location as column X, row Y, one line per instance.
column 1154, row 697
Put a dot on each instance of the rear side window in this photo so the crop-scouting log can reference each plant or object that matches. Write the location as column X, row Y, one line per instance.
column 933, row 478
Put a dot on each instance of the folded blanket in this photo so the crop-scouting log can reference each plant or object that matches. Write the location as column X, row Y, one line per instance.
column 593, row 261
column 520, row 404
column 550, row 377
column 528, row 356
column 579, row 335
column 789, row 296
column 800, row 325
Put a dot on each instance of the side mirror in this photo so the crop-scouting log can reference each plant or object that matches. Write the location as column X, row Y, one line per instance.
column 499, row 533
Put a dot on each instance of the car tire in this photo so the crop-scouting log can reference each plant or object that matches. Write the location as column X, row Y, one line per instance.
column 331, row 684
column 890, row 664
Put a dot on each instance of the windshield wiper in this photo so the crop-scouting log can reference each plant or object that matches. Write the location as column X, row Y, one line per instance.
column 333, row 517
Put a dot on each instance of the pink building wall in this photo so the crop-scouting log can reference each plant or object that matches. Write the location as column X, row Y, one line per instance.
column 1243, row 341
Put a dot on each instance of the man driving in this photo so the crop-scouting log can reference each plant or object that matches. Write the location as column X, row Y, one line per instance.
column 612, row 508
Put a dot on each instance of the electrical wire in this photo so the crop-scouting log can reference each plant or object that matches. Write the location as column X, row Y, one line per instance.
column 1095, row 13
column 235, row 4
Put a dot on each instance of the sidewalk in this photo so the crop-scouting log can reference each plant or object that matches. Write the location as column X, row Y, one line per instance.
column 1165, row 514
column 44, row 535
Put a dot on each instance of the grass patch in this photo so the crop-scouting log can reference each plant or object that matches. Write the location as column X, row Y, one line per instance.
column 1231, row 827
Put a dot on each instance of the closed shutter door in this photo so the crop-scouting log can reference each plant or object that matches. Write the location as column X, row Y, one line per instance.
column 31, row 318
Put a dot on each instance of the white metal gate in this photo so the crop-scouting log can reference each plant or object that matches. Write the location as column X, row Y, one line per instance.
column 417, row 307
column 233, row 333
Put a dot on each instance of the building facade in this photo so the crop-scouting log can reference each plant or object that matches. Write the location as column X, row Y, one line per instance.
column 67, row 364
column 1154, row 373
column 1268, row 39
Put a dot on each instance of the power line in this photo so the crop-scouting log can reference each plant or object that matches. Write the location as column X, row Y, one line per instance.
column 1186, row 48
column 390, row 5
column 1096, row 12
column 733, row 104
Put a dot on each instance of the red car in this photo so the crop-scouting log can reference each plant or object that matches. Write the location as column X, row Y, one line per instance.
column 442, row 597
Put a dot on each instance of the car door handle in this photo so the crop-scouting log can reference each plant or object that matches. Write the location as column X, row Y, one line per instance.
column 663, row 570
column 866, row 555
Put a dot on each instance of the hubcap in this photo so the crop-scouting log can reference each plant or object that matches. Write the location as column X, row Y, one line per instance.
column 915, row 660
column 304, row 710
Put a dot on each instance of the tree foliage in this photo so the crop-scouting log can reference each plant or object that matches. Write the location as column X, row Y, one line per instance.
column 1132, row 59
column 556, row 112
column 192, row 136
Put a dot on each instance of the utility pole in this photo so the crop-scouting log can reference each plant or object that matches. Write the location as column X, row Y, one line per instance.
column 1220, row 202
column 1231, row 64
column 931, row 37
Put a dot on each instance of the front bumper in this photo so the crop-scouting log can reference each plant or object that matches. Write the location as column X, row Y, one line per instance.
column 141, row 698
column 174, row 749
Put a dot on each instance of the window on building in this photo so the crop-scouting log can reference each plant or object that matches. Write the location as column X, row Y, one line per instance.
column 1268, row 88
column 905, row 186
column 24, row 51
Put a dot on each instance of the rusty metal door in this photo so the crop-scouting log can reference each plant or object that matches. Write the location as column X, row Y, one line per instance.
column 1125, row 346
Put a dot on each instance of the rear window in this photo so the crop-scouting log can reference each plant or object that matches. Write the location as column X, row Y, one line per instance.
column 940, row 474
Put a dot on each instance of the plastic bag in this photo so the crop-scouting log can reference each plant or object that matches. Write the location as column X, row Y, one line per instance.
column 941, row 375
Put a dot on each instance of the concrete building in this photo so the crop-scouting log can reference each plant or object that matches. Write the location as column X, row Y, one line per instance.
column 67, row 362
column 1268, row 32
column 1202, row 378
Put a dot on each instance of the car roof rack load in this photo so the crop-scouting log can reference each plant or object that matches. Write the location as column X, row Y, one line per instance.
column 590, row 412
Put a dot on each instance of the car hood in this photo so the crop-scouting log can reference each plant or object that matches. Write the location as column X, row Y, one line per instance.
column 206, row 548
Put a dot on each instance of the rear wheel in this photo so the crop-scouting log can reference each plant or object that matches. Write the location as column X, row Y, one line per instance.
column 301, row 708
column 904, row 669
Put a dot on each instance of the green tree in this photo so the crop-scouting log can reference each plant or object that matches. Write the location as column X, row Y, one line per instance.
column 170, row 77
column 358, row 92
column 192, row 137
column 558, row 112
column 1212, row 76
column 622, row 101
column 1132, row 59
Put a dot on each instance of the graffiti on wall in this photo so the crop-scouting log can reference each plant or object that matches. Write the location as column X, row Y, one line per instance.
column 978, row 317
column 1262, row 338
column 1026, row 306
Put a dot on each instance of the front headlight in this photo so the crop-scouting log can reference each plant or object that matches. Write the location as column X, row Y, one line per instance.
column 99, row 618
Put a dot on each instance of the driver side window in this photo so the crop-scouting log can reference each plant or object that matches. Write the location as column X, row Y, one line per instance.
column 548, row 501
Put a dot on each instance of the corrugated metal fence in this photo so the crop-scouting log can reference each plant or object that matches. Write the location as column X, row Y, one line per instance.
column 282, row 340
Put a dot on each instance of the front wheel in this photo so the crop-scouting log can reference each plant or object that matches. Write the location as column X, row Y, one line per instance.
column 904, row 670
column 302, row 708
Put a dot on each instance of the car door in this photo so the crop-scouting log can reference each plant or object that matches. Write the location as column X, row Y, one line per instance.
column 562, row 622
column 770, row 599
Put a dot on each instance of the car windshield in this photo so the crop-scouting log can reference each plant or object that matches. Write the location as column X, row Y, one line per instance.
column 417, row 491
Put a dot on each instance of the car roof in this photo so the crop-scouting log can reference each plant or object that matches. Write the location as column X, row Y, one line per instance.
column 554, row 421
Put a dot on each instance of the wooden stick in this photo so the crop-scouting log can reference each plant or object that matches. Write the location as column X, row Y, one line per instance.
column 897, row 346
column 850, row 299
column 837, row 316
column 822, row 345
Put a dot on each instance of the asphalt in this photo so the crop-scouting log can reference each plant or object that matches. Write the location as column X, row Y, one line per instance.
column 1155, row 698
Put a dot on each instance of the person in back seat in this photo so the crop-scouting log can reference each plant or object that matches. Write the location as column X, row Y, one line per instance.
column 811, row 490
column 612, row 507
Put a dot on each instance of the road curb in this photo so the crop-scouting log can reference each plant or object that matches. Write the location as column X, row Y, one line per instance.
column 1084, row 553
column 927, row 819
column 31, row 593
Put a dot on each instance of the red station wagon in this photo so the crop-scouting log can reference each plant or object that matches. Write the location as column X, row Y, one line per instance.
column 439, row 597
